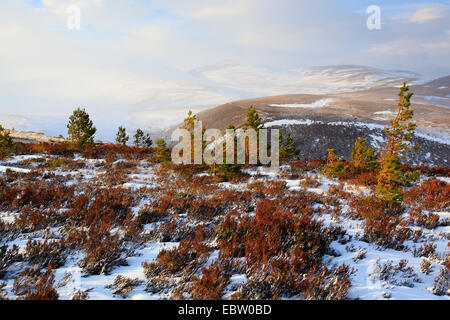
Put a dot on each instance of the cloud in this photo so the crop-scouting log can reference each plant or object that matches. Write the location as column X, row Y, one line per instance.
column 140, row 62
column 427, row 14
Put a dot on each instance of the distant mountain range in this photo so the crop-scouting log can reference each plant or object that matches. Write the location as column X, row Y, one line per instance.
column 338, row 104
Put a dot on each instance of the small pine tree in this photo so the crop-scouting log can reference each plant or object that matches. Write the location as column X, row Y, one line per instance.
column 139, row 138
column 162, row 153
column 189, row 124
column 253, row 119
column 81, row 129
column 364, row 157
column 142, row 139
column 228, row 171
column 148, row 142
column 287, row 150
column 6, row 142
column 397, row 145
column 121, row 137
column 253, row 122
column 334, row 166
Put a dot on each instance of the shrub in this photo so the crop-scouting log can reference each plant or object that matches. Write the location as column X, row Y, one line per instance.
column 122, row 285
column 212, row 284
column 175, row 260
column 45, row 253
column 328, row 285
column 102, row 251
column 383, row 224
column 427, row 250
column 429, row 221
column 34, row 284
column 7, row 258
column 432, row 194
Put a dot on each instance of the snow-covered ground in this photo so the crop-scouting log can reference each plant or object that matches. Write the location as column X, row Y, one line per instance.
column 316, row 104
column 365, row 258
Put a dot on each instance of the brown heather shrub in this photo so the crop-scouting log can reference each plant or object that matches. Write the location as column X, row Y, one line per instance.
column 427, row 250
column 102, row 250
column 328, row 285
column 186, row 255
column 364, row 179
column 310, row 182
column 113, row 203
column 432, row 194
column 30, row 220
column 35, row 284
column 45, row 253
column 429, row 221
column 268, row 187
column 122, row 286
column 42, row 195
column 61, row 149
column 212, row 284
column 8, row 257
column 430, row 171
column 383, row 223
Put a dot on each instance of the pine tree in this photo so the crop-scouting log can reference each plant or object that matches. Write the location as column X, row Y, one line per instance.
column 6, row 142
column 334, row 166
column 228, row 171
column 162, row 153
column 253, row 122
column 142, row 139
column 253, row 119
column 189, row 124
column 139, row 138
column 364, row 157
column 148, row 142
column 397, row 145
column 81, row 129
column 287, row 150
column 121, row 137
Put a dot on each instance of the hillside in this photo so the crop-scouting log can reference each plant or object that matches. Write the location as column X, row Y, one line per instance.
column 320, row 121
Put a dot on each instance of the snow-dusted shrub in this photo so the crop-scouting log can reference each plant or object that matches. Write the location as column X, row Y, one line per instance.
column 427, row 250
column 8, row 257
column 102, row 250
column 398, row 275
column 425, row 266
column 45, row 253
column 30, row 220
column 329, row 284
column 35, row 284
column 429, row 221
column 383, row 224
column 432, row 194
column 441, row 285
column 185, row 255
column 212, row 283
column 121, row 286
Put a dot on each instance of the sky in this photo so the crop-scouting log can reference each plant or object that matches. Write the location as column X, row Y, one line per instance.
column 144, row 63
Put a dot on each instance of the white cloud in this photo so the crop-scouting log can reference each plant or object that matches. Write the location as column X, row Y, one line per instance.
column 427, row 14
